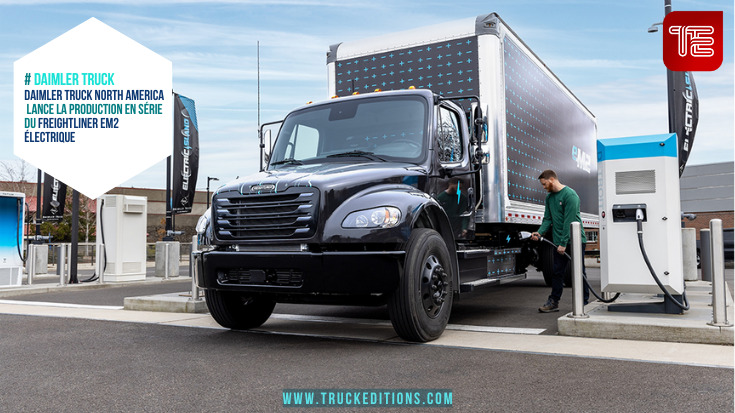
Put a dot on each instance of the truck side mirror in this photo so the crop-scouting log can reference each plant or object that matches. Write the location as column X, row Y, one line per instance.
column 266, row 148
column 266, row 142
column 479, row 123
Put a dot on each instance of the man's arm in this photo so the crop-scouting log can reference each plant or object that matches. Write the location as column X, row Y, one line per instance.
column 571, row 210
column 545, row 223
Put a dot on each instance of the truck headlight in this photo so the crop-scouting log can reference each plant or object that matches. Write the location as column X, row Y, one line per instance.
column 381, row 217
column 204, row 231
column 203, row 222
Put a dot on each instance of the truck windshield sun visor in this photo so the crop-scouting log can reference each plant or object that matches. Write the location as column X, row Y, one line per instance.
column 382, row 128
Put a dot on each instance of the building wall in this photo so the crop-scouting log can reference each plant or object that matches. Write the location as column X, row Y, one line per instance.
column 707, row 190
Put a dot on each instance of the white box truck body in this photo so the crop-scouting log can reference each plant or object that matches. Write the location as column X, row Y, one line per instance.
column 534, row 121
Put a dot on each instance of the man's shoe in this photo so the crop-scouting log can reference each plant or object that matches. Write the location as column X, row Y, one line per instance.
column 550, row 306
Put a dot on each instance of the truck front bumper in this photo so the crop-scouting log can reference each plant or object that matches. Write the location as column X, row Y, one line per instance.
column 288, row 273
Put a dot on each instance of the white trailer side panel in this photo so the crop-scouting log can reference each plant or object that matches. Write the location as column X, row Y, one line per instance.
column 534, row 121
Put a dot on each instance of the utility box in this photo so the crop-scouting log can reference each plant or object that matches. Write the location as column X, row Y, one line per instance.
column 121, row 226
column 11, row 238
column 640, row 175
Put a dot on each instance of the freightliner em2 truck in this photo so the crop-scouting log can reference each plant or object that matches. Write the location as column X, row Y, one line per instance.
column 408, row 188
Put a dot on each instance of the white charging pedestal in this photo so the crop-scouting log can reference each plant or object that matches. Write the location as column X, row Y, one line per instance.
column 121, row 221
column 640, row 174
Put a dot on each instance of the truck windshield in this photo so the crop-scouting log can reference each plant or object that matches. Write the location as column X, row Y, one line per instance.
column 387, row 128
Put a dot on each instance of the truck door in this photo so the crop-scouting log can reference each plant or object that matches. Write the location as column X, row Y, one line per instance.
column 453, row 189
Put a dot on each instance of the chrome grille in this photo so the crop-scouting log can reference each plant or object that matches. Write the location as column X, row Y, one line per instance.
column 288, row 215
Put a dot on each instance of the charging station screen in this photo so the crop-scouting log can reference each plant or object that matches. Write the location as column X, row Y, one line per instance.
column 545, row 129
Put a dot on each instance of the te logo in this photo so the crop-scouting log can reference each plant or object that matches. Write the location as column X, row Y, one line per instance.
column 693, row 40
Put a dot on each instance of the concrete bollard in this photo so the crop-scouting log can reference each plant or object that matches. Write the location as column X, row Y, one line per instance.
column 30, row 263
column 689, row 253
column 40, row 263
column 167, row 259
column 705, row 254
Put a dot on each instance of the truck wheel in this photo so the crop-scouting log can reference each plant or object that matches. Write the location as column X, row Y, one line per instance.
column 419, row 308
column 238, row 311
column 546, row 260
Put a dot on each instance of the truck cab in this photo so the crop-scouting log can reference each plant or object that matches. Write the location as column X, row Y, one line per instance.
column 365, row 199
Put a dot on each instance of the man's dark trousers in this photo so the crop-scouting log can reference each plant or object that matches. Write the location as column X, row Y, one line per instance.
column 560, row 265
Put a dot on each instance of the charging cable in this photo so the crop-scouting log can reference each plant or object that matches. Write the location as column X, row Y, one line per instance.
column 527, row 235
column 96, row 276
column 639, row 220
column 18, row 230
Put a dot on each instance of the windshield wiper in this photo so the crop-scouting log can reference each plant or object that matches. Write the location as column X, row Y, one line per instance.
column 352, row 154
column 290, row 161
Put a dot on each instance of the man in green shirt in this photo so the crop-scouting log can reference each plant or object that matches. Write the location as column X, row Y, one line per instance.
column 562, row 208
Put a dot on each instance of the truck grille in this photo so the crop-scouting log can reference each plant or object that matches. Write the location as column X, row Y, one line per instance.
column 288, row 215
column 285, row 277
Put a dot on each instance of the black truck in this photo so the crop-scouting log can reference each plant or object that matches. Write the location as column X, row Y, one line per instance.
column 406, row 197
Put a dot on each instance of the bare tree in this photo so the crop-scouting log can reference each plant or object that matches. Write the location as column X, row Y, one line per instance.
column 16, row 173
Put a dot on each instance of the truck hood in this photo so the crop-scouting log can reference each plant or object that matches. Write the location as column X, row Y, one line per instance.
column 327, row 177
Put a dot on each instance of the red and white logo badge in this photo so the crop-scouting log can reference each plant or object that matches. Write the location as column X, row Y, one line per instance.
column 693, row 40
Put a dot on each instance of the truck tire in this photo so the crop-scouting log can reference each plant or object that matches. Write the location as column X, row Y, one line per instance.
column 420, row 307
column 546, row 261
column 238, row 311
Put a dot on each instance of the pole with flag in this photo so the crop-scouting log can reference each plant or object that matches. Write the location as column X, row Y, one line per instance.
column 683, row 107
column 185, row 155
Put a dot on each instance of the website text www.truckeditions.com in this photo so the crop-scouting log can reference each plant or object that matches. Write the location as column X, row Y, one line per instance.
column 367, row 397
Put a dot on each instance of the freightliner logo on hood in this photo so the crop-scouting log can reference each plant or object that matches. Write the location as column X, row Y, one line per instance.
column 263, row 188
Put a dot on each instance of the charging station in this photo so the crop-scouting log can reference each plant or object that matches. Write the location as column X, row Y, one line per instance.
column 121, row 226
column 11, row 238
column 638, row 180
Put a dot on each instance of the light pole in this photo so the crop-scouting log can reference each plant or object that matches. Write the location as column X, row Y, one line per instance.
column 669, row 73
column 209, row 178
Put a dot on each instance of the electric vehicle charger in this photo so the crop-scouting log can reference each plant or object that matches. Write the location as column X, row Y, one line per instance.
column 526, row 235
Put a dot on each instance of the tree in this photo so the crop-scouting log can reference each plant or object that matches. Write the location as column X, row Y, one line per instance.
column 17, row 173
column 61, row 231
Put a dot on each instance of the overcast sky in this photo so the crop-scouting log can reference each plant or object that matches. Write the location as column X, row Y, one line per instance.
column 600, row 49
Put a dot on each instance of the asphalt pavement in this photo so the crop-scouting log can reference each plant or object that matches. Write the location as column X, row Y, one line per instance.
column 52, row 362
column 76, row 365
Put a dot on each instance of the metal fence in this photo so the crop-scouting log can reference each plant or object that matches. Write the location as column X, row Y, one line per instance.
column 87, row 252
